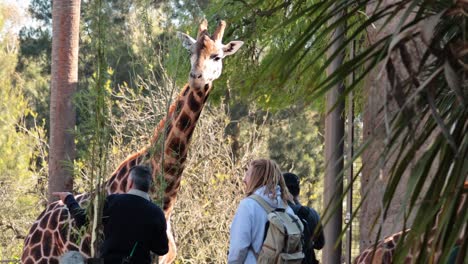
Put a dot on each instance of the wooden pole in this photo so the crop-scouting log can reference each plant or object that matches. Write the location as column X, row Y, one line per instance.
column 349, row 200
column 334, row 132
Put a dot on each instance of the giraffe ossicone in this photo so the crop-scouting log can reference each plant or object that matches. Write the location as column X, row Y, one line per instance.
column 52, row 234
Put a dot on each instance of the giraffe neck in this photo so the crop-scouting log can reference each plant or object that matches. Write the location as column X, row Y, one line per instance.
column 182, row 119
column 172, row 135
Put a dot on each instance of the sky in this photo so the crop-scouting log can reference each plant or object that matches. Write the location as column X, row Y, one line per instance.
column 22, row 6
column 20, row 3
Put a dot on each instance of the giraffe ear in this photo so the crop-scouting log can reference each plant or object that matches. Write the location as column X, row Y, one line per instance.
column 187, row 41
column 232, row 47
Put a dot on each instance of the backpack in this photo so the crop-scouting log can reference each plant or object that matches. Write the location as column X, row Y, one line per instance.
column 309, row 226
column 283, row 236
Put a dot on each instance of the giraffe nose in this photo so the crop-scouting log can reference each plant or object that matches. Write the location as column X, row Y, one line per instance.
column 195, row 75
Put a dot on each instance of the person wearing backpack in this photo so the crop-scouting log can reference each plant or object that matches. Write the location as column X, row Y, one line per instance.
column 255, row 236
column 313, row 232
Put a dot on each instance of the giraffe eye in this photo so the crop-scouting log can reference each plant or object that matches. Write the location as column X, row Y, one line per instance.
column 215, row 57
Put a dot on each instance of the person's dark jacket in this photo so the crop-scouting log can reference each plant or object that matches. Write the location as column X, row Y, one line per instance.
column 314, row 238
column 128, row 219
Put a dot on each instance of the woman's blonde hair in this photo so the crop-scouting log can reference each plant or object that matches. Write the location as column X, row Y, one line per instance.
column 267, row 173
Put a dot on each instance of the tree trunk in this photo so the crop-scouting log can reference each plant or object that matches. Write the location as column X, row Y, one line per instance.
column 380, row 108
column 64, row 80
column 334, row 133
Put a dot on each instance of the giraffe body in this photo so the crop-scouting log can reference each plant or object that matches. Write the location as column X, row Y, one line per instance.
column 53, row 233
column 383, row 252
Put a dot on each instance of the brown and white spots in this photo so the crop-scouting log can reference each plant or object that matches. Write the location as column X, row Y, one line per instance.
column 193, row 103
column 54, row 219
column 186, row 90
column 200, row 94
column 36, row 252
column 172, row 169
column 184, row 122
column 179, row 106
column 86, row 244
column 36, row 237
column 175, row 148
column 48, row 242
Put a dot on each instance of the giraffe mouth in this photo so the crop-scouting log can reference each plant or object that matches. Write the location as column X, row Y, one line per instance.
column 197, row 83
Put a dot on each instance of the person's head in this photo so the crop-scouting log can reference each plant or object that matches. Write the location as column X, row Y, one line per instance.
column 264, row 172
column 141, row 178
column 292, row 182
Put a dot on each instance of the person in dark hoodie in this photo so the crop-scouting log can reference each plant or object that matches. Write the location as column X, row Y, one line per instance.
column 133, row 225
column 313, row 232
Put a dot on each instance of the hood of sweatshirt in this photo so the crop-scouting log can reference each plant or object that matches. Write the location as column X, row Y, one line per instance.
column 274, row 200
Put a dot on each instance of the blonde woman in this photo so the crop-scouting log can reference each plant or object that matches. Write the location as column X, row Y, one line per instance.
column 264, row 178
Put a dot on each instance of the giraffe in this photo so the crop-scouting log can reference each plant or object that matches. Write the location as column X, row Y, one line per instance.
column 52, row 234
column 383, row 252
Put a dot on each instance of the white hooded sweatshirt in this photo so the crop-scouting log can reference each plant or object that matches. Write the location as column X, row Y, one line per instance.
column 248, row 227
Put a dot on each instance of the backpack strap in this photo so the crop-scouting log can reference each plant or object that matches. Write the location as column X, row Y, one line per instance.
column 262, row 202
column 296, row 221
column 268, row 210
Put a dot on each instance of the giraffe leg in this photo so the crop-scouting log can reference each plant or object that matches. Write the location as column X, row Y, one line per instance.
column 171, row 255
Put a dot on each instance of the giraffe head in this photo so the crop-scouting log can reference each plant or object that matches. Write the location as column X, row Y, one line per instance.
column 207, row 53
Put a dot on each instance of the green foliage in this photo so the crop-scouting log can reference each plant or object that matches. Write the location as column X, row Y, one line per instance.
column 296, row 142
column 41, row 10
column 34, row 61
column 34, row 43
column 95, row 107
column 34, row 77
column 19, row 197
